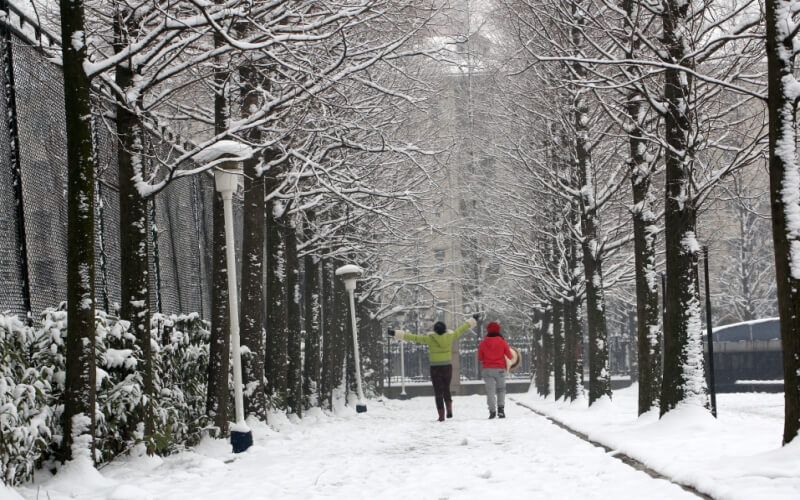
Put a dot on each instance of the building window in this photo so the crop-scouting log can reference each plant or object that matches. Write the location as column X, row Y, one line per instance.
column 439, row 256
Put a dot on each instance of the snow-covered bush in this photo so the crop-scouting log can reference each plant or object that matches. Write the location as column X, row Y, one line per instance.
column 119, row 387
column 25, row 416
column 32, row 374
column 181, row 377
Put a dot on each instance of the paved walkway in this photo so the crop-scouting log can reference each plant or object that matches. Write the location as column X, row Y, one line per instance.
column 395, row 450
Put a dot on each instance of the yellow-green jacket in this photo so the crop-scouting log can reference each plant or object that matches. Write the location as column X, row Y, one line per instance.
column 440, row 346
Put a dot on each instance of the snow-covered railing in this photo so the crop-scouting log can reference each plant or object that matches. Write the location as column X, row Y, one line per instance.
column 23, row 24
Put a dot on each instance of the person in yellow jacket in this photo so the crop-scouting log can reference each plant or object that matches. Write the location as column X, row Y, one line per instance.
column 440, row 344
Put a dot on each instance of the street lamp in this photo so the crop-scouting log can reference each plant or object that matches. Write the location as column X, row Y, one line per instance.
column 349, row 274
column 226, row 178
column 401, row 316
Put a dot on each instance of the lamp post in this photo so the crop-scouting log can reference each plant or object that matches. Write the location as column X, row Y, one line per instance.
column 226, row 178
column 401, row 316
column 349, row 274
column 710, row 333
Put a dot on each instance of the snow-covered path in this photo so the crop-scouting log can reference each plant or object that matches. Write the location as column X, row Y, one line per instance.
column 395, row 450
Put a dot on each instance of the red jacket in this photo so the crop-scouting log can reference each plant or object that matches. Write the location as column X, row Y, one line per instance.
column 493, row 351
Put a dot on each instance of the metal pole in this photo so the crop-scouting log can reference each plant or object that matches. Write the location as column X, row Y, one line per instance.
column 709, row 329
column 233, row 304
column 389, row 357
column 241, row 435
column 360, row 407
column 663, row 299
column 402, row 370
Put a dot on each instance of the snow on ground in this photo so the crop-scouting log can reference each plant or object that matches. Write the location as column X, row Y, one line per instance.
column 395, row 450
column 737, row 456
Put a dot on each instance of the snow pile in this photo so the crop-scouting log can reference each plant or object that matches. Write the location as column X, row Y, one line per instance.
column 8, row 494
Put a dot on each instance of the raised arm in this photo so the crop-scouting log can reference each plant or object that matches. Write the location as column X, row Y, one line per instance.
column 403, row 335
column 470, row 323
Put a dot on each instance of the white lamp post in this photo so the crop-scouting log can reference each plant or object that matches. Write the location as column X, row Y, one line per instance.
column 349, row 274
column 401, row 316
column 226, row 178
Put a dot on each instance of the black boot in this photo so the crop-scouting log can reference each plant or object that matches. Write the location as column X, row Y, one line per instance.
column 449, row 405
column 492, row 414
column 500, row 412
column 441, row 414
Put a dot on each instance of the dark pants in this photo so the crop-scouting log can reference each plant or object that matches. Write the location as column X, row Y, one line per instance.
column 440, row 376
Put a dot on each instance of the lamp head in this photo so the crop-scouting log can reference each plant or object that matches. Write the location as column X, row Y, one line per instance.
column 227, row 173
column 349, row 273
column 226, row 176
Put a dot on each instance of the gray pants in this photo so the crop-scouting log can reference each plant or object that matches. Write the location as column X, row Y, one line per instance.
column 495, row 379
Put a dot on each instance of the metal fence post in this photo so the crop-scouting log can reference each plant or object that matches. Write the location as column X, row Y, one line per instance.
column 14, row 160
column 100, row 216
column 102, row 242
column 156, row 263
column 200, row 234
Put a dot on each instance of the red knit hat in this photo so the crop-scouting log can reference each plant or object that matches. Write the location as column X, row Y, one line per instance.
column 493, row 327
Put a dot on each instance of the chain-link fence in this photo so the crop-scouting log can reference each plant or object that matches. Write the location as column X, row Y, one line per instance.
column 33, row 194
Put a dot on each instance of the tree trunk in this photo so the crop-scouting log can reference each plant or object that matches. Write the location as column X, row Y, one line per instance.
column 558, row 349
column 684, row 375
column 746, row 250
column 784, row 194
column 134, row 272
column 537, row 351
column 341, row 336
column 644, row 230
column 647, row 303
column 252, row 301
column 277, row 341
column 79, row 383
column 599, row 373
column 573, row 330
column 313, row 294
column 219, row 343
column 648, row 323
column 335, row 345
column 544, row 347
column 573, row 350
column 371, row 346
column 326, row 377
column 294, row 374
column 252, row 304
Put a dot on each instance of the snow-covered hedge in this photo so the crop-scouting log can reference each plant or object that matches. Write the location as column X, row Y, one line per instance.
column 26, row 418
column 32, row 368
column 181, row 379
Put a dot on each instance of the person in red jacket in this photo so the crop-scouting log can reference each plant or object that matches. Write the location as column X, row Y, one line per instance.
column 493, row 352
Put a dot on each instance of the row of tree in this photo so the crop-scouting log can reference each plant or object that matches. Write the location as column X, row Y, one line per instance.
column 319, row 90
column 615, row 125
